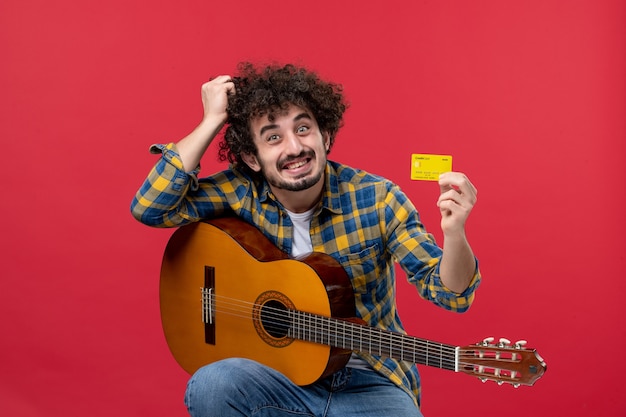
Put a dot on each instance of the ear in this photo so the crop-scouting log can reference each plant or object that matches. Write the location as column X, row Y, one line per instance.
column 327, row 141
column 251, row 160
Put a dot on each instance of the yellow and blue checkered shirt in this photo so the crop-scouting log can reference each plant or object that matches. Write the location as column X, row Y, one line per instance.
column 363, row 221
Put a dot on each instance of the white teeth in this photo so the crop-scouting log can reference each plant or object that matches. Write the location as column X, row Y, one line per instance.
column 296, row 165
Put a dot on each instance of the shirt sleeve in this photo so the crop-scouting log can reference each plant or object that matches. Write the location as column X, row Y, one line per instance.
column 159, row 200
column 419, row 256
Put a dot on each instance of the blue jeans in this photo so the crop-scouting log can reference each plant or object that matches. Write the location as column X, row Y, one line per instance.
column 241, row 387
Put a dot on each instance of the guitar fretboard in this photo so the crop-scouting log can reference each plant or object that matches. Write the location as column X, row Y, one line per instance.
column 357, row 337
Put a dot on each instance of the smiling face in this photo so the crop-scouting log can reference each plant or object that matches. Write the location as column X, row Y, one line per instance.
column 291, row 154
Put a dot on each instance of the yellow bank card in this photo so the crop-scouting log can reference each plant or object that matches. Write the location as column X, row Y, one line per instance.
column 428, row 167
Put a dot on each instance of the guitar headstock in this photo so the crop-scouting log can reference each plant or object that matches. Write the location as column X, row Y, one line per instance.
column 502, row 362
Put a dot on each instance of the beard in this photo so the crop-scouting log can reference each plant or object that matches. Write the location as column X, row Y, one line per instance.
column 299, row 184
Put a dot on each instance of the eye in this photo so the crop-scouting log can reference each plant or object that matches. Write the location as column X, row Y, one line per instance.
column 272, row 138
column 302, row 129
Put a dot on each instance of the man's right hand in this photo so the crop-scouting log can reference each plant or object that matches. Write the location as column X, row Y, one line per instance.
column 215, row 97
column 215, row 102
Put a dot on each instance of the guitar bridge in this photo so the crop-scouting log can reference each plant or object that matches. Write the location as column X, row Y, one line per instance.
column 208, row 298
column 207, row 306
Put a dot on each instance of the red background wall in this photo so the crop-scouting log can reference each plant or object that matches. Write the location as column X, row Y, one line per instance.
column 529, row 97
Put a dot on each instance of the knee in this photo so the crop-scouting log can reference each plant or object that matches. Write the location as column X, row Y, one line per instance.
column 223, row 379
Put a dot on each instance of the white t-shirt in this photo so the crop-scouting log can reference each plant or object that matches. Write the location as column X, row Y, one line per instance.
column 302, row 245
column 301, row 235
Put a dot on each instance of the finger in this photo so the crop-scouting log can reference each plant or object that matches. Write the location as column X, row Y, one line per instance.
column 460, row 199
column 454, row 178
column 447, row 207
column 221, row 78
column 451, row 208
column 218, row 85
column 227, row 82
column 451, row 195
column 451, row 203
column 459, row 182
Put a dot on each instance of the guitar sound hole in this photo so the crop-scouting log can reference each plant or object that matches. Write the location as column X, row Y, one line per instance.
column 274, row 319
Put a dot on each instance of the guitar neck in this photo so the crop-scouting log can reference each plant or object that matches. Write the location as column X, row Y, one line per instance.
column 361, row 338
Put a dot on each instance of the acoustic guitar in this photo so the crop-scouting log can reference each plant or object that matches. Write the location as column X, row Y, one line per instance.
column 227, row 291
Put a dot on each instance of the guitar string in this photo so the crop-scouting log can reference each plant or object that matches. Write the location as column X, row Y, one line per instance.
column 281, row 321
column 406, row 342
column 438, row 353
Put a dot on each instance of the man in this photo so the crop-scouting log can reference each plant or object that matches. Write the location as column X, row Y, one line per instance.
column 281, row 124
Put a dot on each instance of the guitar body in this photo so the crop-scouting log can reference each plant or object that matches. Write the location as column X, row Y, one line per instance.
column 246, row 272
column 226, row 291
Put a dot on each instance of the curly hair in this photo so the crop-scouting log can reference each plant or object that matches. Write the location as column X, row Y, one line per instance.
column 266, row 91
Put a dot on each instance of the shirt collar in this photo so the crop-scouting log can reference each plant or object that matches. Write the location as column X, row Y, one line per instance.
column 330, row 195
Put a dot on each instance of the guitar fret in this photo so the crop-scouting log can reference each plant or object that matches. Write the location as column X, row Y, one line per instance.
column 360, row 339
column 439, row 356
column 415, row 350
column 307, row 330
column 340, row 341
column 307, row 326
column 290, row 331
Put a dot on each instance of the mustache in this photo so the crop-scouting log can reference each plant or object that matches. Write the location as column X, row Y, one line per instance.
column 304, row 154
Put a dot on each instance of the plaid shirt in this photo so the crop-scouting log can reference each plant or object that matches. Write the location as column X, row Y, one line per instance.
column 363, row 221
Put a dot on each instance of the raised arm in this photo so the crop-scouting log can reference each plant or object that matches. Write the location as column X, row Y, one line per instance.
column 160, row 201
column 215, row 101
column 458, row 196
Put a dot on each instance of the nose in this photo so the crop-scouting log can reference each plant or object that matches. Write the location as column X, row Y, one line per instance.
column 293, row 145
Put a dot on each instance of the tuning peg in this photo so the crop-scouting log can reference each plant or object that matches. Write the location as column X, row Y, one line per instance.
column 520, row 344
column 504, row 342
column 487, row 341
